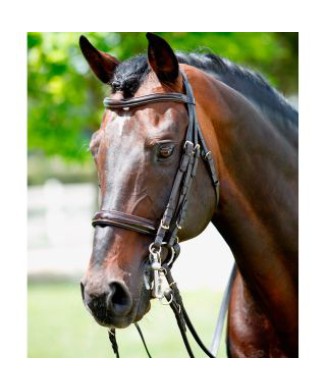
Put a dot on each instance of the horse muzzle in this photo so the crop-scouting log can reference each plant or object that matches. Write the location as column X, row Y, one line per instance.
column 113, row 307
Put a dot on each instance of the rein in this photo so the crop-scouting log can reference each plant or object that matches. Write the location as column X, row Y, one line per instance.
column 166, row 233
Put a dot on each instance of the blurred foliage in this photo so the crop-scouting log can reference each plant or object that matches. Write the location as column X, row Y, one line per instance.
column 65, row 98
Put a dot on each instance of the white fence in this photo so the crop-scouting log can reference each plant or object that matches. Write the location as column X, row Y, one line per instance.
column 60, row 238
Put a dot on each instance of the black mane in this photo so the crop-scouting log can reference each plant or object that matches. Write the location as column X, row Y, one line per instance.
column 130, row 74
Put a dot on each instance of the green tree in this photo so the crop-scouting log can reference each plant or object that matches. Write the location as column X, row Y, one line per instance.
column 64, row 98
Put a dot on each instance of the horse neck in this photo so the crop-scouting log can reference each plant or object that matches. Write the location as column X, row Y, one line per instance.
column 258, row 175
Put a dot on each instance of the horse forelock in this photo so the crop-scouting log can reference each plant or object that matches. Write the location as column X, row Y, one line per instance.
column 129, row 75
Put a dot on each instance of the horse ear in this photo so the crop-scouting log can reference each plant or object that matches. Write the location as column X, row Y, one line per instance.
column 162, row 59
column 102, row 64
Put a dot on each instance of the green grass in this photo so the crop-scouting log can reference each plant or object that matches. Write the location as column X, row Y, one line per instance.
column 60, row 327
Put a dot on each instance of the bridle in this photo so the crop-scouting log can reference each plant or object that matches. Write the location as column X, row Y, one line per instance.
column 166, row 233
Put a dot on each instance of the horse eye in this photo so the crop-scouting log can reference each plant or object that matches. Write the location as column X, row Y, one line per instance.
column 166, row 151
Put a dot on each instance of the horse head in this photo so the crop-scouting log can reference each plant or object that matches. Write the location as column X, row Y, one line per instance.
column 137, row 151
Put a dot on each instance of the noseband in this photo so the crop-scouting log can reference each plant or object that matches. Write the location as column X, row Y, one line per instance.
column 166, row 233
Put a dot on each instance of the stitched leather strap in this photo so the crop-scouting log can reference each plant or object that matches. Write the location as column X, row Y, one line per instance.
column 125, row 221
column 152, row 98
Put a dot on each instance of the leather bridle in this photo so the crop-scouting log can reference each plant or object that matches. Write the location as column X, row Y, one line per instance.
column 166, row 233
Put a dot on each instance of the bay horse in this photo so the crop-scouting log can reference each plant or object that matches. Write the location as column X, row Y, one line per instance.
column 249, row 134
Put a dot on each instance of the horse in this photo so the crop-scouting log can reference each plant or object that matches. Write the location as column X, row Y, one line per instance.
column 246, row 184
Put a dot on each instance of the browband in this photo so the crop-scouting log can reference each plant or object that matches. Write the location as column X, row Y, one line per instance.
column 141, row 100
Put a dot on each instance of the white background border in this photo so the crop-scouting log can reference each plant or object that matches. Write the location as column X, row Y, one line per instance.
column 16, row 20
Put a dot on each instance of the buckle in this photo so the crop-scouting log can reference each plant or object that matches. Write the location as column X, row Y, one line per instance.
column 165, row 227
column 208, row 155
column 187, row 145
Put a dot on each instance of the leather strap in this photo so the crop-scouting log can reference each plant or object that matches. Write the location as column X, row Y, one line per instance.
column 152, row 98
column 124, row 221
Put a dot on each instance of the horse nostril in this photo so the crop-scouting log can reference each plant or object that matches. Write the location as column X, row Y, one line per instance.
column 119, row 298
